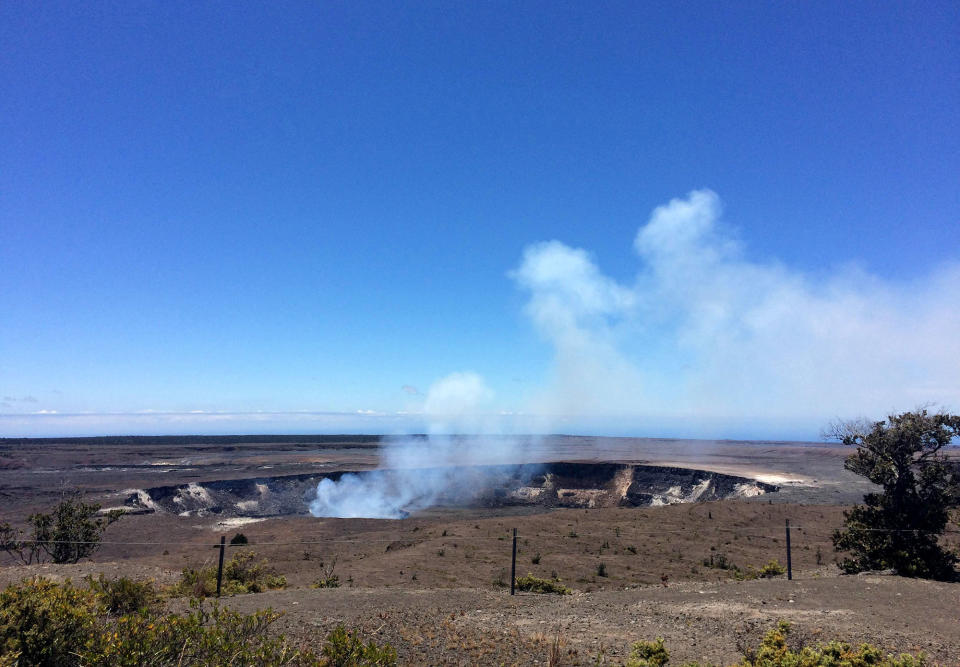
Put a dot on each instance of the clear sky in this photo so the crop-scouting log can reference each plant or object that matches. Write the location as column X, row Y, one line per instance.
column 336, row 216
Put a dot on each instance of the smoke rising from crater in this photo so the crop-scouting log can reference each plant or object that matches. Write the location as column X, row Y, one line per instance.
column 701, row 333
column 416, row 471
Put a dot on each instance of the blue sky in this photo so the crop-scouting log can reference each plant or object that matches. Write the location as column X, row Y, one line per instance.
column 310, row 216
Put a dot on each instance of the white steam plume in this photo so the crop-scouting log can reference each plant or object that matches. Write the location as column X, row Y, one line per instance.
column 416, row 472
column 704, row 332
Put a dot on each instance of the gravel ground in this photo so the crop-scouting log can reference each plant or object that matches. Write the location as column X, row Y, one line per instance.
column 699, row 621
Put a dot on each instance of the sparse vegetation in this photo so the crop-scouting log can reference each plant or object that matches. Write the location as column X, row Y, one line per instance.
column 239, row 539
column 719, row 561
column 49, row 624
column 71, row 532
column 345, row 648
column 775, row 652
column 648, row 654
column 123, row 595
column 241, row 574
column 534, row 584
column 536, row 558
column 602, row 569
column 328, row 579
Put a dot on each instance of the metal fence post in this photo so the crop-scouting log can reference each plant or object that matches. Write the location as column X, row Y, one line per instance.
column 513, row 564
column 223, row 541
column 789, row 561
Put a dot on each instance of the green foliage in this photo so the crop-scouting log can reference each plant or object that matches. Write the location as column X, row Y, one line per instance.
column 899, row 527
column 246, row 574
column 72, row 531
column 45, row 624
column 241, row 574
column 332, row 581
column 51, row 625
column 774, row 652
column 124, row 596
column 200, row 637
column 771, row 569
column 648, row 654
column 720, row 562
column 537, row 585
column 345, row 649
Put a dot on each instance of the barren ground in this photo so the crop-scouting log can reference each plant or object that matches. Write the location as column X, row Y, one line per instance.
column 429, row 583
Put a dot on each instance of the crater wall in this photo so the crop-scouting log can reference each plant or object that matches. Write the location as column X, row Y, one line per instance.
column 560, row 484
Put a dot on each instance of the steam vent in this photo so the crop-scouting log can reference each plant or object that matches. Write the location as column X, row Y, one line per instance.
column 544, row 485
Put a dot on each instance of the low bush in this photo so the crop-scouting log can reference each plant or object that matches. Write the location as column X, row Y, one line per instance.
column 328, row 579
column 771, row 569
column 45, row 624
column 124, row 596
column 775, row 652
column 648, row 654
column 52, row 625
column 202, row 636
column 332, row 581
column 534, row 584
column 345, row 648
column 721, row 562
column 241, row 574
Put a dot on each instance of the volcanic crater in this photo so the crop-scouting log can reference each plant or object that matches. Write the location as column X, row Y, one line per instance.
column 544, row 485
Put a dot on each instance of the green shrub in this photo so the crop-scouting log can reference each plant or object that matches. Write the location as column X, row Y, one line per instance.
column 124, row 596
column 46, row 624
column 774, row 652
column 246, row 574
column 239, row 539
column 327, row 582
column 771, row 569
column 602, row 570
column 648, row 654
column 330, row 580
column 345, row 649
column 51, row 625
column 537, row 585
column 199, row 637
column 72, row 531
column 241, row 574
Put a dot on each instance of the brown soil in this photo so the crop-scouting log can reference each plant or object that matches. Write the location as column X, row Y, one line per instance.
column 428, row 584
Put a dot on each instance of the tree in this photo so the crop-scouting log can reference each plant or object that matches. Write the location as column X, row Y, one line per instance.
column 898, row 528
column 71, row 532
